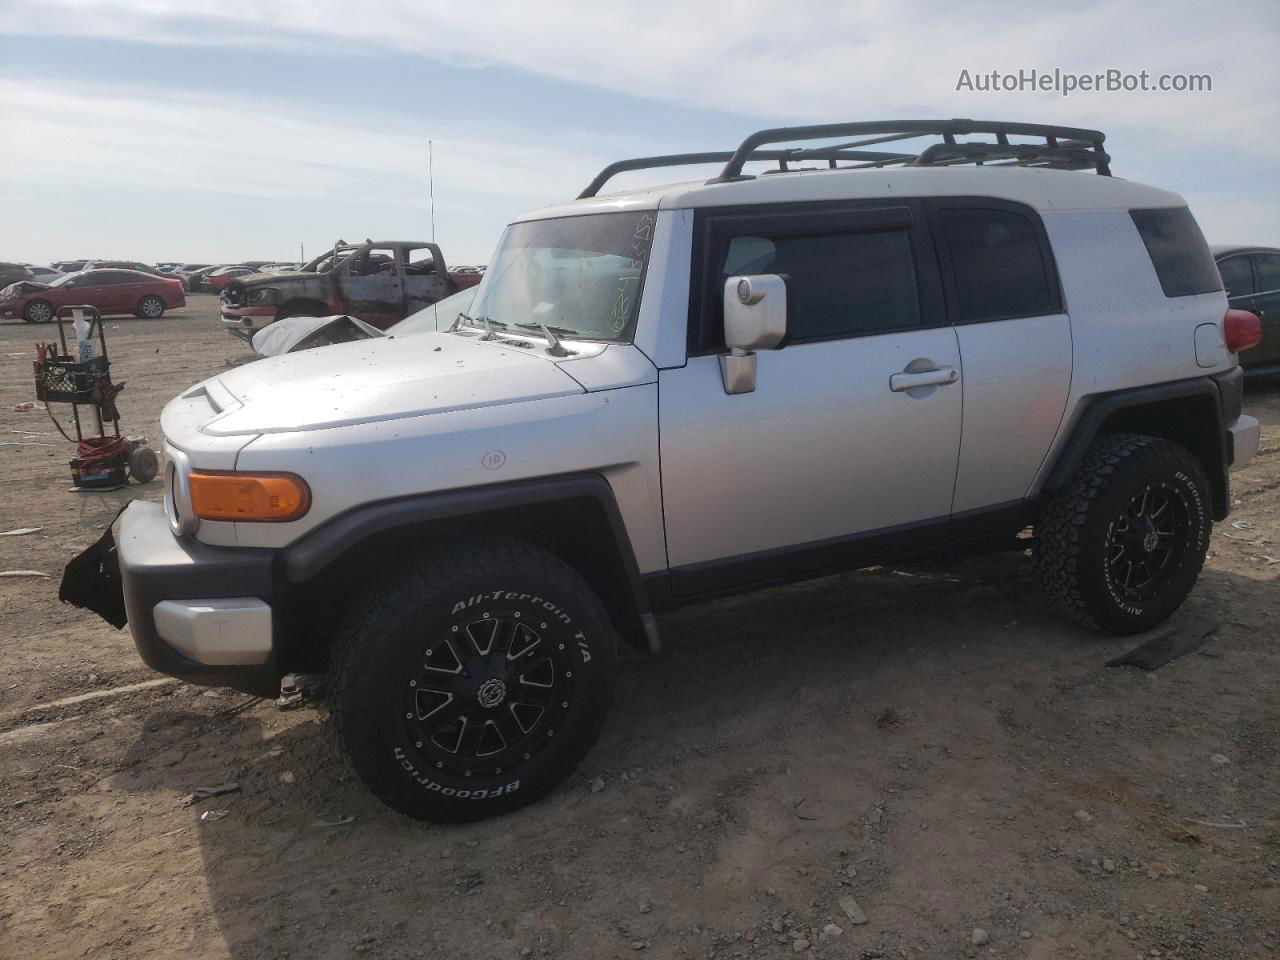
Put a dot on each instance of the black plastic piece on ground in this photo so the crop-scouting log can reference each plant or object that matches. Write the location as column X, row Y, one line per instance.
column 1169, row 645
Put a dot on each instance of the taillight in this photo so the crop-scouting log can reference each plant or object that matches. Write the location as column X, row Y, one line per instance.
column 1242, row 330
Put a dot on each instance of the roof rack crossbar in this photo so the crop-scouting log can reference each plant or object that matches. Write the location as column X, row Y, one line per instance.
column 902, row 129
column 830, row 154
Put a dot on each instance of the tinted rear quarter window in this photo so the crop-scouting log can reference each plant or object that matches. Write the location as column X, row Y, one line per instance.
column 998, row 264
column 1182, row 259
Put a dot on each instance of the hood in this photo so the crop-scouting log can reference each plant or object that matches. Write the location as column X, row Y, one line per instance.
column 285, row 335
column 22, row 288
column 384, row 379
column 267, row 279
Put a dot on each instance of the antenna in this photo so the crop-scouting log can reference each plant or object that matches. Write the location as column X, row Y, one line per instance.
column 431, row 188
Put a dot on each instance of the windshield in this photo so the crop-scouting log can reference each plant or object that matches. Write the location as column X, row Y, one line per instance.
column 580, row 276
column 326, row 262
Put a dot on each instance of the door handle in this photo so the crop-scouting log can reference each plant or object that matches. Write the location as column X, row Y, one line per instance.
column 925, row 378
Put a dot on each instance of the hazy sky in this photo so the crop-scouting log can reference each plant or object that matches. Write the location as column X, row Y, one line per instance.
column 236, row 129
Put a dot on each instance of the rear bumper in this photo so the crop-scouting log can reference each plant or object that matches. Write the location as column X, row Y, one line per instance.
column 1244, row 435
column 200, row 613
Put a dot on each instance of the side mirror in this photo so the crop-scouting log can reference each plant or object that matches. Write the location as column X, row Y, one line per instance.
column 755, row 318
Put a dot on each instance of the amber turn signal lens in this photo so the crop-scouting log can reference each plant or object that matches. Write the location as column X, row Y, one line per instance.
column 248, row 496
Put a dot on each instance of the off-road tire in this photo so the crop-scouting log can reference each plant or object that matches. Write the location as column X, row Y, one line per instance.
column 30, row 311
column 1077, row 535
column 152, row 303
column 415, row 619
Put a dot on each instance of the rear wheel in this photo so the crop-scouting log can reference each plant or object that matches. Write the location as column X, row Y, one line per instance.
column 151, row 308
column 38, row 311
column 1121, row 547
column 473, row 683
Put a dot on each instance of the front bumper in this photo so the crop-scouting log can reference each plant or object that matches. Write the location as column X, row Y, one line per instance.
column 244, row 322
column 200, row 613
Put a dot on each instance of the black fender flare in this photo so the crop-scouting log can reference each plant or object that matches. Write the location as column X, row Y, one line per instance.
column 1222, row 391
column 311, row 554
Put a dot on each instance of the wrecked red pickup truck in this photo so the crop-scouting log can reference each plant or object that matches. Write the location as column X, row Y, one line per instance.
column 379, row 282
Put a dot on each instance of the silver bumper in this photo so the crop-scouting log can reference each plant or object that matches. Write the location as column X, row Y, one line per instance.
column 1246, row 434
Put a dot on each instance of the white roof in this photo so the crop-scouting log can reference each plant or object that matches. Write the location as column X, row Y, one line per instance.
column 1040, row 189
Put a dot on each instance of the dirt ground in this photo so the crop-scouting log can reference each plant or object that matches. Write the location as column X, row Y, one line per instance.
column 927, row 741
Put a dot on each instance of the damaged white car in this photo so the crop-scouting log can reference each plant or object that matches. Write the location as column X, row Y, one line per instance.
column 303, row 333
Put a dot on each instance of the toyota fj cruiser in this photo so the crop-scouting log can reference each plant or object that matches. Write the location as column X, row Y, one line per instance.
column 687, row 391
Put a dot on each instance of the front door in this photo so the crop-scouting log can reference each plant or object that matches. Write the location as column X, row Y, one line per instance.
column 371, row 281
column 845, row 450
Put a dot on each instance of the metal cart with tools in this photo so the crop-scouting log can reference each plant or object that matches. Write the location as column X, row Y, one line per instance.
column 103, row 461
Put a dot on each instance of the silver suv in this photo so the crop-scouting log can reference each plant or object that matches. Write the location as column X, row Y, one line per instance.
column 674, row 393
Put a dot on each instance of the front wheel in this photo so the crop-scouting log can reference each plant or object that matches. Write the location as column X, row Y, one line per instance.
column 474, row 681
column 1121, row 547
column 38, row 311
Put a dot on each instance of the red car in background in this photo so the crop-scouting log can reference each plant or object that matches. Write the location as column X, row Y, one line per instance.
column 111, row 291
column 216, row 280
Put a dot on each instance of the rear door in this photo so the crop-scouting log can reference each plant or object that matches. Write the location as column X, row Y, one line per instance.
column 1003, row 295
column 1266, row 272
column 424, row 278
column 831, row 460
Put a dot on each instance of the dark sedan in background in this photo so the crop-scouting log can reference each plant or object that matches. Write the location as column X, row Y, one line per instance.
column 1251, row 276
column 111, row 291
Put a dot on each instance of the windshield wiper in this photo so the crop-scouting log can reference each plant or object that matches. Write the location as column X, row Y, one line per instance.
column 552, row 328
column 554, row 348
column 487, row 322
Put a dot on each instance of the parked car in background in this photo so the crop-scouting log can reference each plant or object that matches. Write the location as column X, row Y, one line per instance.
column 168, row 266
column 1251, row 276
column 187, row 270
column 111, row 291
column 380, row 282
column 44, row 274
column 295, row 334
column 280, row 268
column 13, row 272
column 136, row 265
column 68, row 266
column 217, row 279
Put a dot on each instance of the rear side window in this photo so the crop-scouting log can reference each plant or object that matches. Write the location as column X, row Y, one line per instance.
column 1237, row 276
column 840, row 284
column 1178, row 251
column 998, row 264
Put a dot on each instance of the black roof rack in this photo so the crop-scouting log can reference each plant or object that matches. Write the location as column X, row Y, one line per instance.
column 1064, row 148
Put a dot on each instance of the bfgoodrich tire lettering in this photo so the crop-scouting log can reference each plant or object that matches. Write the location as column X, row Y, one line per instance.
column 474, row 682
column 1121, row 547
